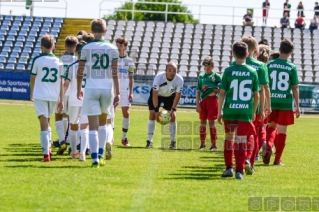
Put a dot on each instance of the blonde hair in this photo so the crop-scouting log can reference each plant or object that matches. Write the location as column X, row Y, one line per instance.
column 250, row 41
column 98, row 26
column 264, row 53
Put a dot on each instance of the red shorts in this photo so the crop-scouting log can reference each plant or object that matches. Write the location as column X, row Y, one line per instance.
column 258, row 121
column 282, row 117
column 243, row 128
column 265, row 13
column 209, row 107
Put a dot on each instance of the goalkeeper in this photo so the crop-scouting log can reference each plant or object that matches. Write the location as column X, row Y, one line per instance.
column 207, row 102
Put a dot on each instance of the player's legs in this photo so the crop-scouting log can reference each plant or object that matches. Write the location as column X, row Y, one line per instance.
column 109, row 139
column 125, row 125
column 285, row 118
column 74, row 125
column 203, row 122
column 168, row 103
column 230, row 129
column 125, row 105
column 59, row 127
column 84, row 143
column 151, row 125
column 212, row 111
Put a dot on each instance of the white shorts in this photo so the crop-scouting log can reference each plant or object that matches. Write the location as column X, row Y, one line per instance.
column 124, row 101
column 97, row 101
column 44, row 108
column 74, row 114
column 65, row 105
column 84, row 119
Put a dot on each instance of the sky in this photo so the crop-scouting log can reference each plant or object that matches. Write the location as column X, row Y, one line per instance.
column 207, row 11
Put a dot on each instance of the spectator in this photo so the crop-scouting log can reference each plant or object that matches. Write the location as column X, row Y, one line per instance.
column 287, row 7
column 316, row 10
column 248, row 19
column 266, row 6
column 300, row 23
column 300, row 9
column 284, row 21
column 313, row 23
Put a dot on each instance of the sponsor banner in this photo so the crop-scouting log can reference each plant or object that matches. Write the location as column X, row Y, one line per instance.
column 309, row 98
column 14, row 85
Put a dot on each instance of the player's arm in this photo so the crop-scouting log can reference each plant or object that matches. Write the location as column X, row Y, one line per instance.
column 221, row 100
column 267, row 98
column 256, row 101
column 198, row 87
column 131, row 82
column 67, row 80
column 34, row 71
column 155, row 100
column 218, row 81
column 295, row 90
column 116, row 83
column 79, row 79
column 262, row 98
column 256, row 89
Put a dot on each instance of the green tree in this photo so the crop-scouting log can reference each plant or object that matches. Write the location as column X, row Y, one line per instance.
column 142, row 5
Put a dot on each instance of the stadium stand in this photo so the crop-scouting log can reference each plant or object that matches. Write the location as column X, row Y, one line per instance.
column 19, row 39
column 153, row 44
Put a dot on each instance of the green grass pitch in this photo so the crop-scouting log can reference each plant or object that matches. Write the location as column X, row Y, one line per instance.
column 139, row 179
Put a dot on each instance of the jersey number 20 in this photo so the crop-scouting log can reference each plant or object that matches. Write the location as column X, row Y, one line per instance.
column 102, row 61
column 50, row 75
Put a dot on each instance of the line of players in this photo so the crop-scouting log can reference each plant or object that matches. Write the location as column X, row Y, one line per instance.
column 240, row 90
column 55, row 79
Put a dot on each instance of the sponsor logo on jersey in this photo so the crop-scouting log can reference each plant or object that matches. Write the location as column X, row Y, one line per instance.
column 239, row 106
column 163, row 84
column 123, row 70
column 278, row 95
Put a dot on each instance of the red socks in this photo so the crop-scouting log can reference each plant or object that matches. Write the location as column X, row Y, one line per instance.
column 240, row 150
column 280, row 146
column 250, row 146
column 213, row 136
column 228, row 153
column 202, row 134
column 261, row 131
column 256, row 149
column 271, row 135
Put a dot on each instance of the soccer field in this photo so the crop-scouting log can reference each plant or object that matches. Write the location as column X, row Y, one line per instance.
column 139, row 179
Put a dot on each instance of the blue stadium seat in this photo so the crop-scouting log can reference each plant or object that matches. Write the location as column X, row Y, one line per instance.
column 39, row 19
column 3, row 27
column 27, row 49
column 16, row 49
column 47, row 24
column 57, row 25
column 55, row 29
column 34, row 55
column 10, row 66
column 18, row 44
column 0, row 43
column 45, row 29
column 14, row 27
column 25, row 54
column 6, row 23
column 48, row 19
column 3, row 32
column 58, row 20
column 38, row 45
column 12, row 60
column 1, row 17
column 42, row 34
column 23, row 33
column 37, row 50
column 18, row 18
column 23, row 60
column 8, row 43
column 6, row 49
column 13, row 33
column 29, row 44
column 4, row 54
column 11, row 38
column 1, row 66
column 3, row 60
column 20, row 67
column 8, row 18
column 35, row 29
column 21, row 38
column 16, row 24
column 14, row 55
column 36, row 24
column 27, row 23
column 25, row 28
column 28, row 18
column 29, row 67
column 31, row 39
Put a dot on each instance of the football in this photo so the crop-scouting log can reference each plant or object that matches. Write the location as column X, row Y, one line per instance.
column 164, row 117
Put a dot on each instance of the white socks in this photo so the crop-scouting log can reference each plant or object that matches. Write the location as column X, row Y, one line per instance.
column 50, row 135
column 44, row 137
column 151, row 129
column 60, row 130
column 73, row 135
column 125, row 125
column 102, row 140
column 65, row 124
column 94, row 145
column 172, row 130
column 110, row 133
column 84, row 140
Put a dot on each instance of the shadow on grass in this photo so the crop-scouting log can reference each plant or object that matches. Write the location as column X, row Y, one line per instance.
column 48, row 167
column 23, row 149
column 20, row 155
column 198, row 173
column 27, row 159
column 31, row 145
